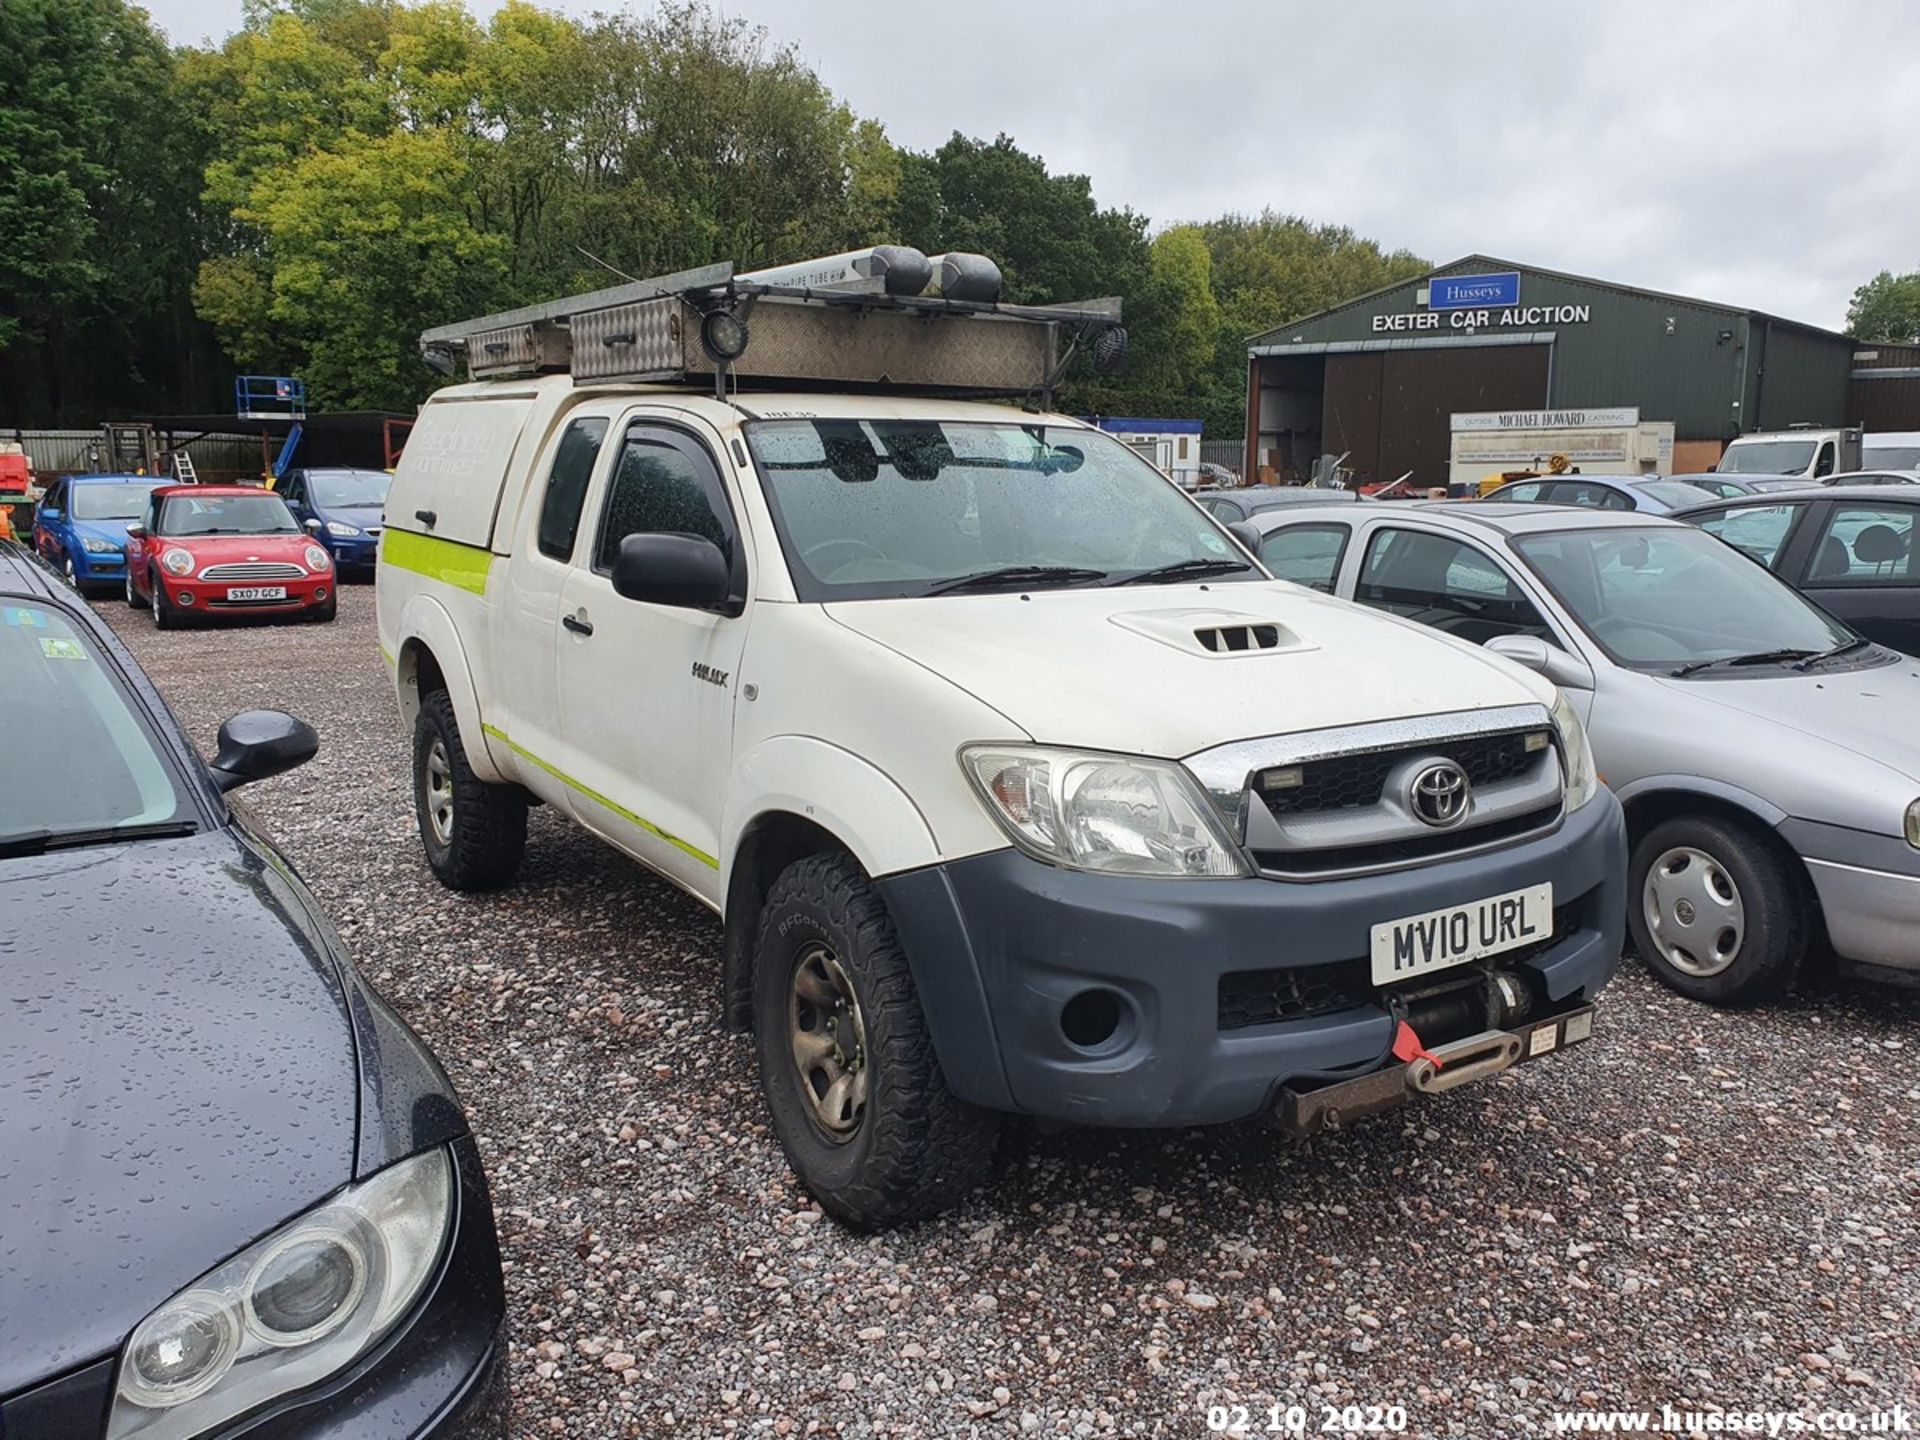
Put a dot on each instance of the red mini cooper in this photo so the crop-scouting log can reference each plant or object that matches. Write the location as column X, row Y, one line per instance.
column 220, row 550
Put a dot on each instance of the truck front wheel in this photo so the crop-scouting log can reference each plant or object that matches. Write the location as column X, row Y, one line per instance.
column 855, row 1091
column 474, row 833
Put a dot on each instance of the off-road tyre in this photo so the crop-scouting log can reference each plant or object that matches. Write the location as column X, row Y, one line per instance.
column 1772, row 900
column 918, row 1149
column 478, row 843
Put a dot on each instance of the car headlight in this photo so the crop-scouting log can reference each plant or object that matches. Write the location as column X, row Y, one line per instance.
column 317, row 559
column 1913, row 824
column 1583, row 780
column 1113, row 813
column 341, row 532
column 289, row 1310
column 99, row 547
column 178, row 562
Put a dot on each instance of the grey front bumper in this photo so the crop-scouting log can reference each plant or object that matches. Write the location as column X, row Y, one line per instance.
column 1869, row 889
column 1000, row 943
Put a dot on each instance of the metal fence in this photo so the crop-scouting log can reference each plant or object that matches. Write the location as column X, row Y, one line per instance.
column 1230, row 453
column 64, row 452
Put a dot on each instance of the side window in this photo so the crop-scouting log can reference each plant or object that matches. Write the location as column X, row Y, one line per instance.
column 1866, row 545
column 567, row 485
column 56, row 496
column 1306, row 554
column 1526, row 491
column 1759, row 530
column 1226, row 511
column 1447, row 584
column 663, row 485
column 1824, row 465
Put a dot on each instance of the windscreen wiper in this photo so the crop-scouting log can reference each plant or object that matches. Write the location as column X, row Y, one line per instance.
column 1759, row 657
column 38, row 842
column 1018, row 575
column 1182, row 570
column 1857, row 643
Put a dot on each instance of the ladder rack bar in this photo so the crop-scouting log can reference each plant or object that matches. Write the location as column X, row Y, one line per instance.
column 703, row 278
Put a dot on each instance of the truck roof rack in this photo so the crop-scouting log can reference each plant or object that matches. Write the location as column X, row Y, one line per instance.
column 889, row 319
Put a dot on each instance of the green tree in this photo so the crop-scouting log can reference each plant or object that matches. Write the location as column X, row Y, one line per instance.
column 1887, row 309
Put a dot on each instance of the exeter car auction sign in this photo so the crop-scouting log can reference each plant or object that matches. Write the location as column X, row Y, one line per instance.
column 1478, row 302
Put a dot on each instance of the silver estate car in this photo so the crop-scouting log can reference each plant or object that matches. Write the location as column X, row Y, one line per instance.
column 1767, row 755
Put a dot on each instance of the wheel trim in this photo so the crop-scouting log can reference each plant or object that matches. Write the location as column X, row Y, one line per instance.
column 827, row 1037
column 439, row 797
column 1694, row 912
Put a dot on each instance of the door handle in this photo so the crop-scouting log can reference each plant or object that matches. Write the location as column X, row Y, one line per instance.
column 579, row 624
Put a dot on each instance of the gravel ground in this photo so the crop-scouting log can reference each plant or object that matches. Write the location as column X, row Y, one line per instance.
column 1701, row 1209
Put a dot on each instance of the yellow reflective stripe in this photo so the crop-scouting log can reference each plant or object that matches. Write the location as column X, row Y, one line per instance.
column 387, row 655
column 462, row 566
column 599, row 799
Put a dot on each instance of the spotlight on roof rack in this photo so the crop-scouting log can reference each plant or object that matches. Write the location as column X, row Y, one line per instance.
column 1110, row 350
column 440, row 358
column 960, row 275
column 723, row 335
column 897, row 269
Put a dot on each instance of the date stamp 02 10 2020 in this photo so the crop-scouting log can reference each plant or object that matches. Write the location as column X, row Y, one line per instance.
column 1250, row 1420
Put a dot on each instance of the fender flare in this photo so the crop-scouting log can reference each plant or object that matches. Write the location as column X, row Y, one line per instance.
column 1761, row 809
column 426, row 625
column 868, row 813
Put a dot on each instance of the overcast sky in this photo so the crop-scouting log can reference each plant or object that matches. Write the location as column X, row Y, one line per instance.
column 1763, row 154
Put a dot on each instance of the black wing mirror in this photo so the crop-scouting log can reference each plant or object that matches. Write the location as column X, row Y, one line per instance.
column 256, row 744
column 687, row 572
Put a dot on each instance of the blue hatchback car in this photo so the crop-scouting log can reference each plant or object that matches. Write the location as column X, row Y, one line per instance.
column 81, row 526
column 346, row 503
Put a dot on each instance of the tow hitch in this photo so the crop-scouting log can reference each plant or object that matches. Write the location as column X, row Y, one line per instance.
column 1301, row 1113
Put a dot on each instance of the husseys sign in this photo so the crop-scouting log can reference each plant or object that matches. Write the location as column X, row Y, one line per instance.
column 1478, row 302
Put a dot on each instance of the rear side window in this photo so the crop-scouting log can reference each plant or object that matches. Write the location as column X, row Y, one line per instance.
column 1447, row 584
column 1306, row 554
column 1867, row 545
column 567, row 485
column 1225, row 511
column 1759, row 530
column 663, row 484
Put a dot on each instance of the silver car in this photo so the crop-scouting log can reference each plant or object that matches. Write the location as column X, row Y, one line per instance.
column 1767, row 755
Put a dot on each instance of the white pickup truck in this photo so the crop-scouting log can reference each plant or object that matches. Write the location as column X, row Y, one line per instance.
column 1017, row 783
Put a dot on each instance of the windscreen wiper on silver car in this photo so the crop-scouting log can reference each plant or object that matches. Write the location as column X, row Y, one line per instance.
column 1857, row 643
column 38, row 842
column 1182, row 570
column 1018, row 575
column 1759, row 657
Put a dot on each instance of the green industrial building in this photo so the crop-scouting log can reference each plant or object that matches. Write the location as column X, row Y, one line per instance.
column 1379, row 377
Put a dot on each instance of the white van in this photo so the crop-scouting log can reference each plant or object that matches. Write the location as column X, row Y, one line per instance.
column 1802, row 452
column 1017, row 783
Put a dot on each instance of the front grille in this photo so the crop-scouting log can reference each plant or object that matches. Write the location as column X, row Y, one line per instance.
column 1273, row 997
column 241, row 570
column 1428, row 845
column 1342, row 782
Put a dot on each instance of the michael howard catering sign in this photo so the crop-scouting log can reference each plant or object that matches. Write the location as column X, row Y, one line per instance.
column 1466, row 292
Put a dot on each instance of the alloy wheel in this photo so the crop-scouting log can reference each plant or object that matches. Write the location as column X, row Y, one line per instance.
column 440, row 792
column 828, row 1037
column 1694, row 911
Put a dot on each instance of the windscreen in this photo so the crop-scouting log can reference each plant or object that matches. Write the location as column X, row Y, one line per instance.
column 105, row 500
column 1655, row 599
column 1767, row 457
column 878, row 508
column 349, row 489
column 185, row 516
column 59, row 690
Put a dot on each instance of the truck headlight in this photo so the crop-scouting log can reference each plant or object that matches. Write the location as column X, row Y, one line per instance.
column 178, row 562
column 340, row 531
column 1583, row 781
column 1913, row 824
column 288, row 1311
column 1111, row 813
